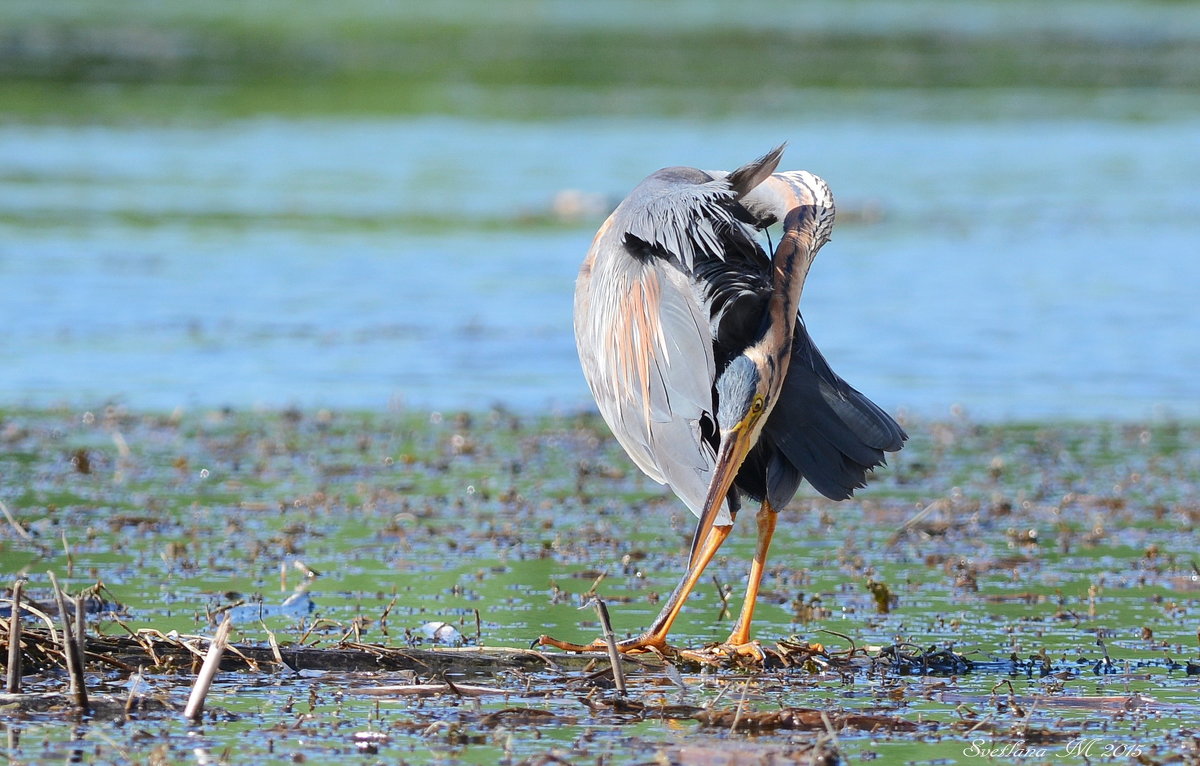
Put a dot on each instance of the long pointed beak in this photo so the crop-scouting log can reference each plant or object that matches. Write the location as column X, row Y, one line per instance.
column 734, row 447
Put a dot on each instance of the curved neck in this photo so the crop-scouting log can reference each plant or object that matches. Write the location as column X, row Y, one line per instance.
column 790, row 264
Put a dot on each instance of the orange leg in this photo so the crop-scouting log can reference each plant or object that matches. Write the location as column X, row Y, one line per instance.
column 766, row 529
column 656, row 635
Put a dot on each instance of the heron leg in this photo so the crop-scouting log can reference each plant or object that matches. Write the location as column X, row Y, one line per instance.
column 765, row 520
column 656, row 635
column 739, row 642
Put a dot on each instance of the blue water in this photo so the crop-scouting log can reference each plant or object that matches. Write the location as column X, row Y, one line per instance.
column 1015, row 268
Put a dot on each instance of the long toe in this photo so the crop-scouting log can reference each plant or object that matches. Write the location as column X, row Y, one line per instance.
column 596, row 646
column 642, row 643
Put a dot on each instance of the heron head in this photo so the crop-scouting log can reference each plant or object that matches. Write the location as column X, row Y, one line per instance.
column 743, row 401
column 742, row 398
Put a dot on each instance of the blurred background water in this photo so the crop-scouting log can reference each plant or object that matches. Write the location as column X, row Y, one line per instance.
column 370, row 205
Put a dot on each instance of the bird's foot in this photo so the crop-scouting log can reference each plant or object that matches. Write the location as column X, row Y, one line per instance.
column 728, row 653
column 646, row 642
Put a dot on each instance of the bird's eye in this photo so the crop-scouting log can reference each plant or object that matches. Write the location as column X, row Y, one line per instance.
column 757, row 406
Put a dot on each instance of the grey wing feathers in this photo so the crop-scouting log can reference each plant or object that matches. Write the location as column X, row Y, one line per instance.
column 686, row 370
column 687, row 214
column 682, row 221
column 647, row 355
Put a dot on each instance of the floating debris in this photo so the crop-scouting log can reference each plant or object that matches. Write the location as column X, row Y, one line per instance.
column 369, row 742
column 802, row 718
column 440, row 633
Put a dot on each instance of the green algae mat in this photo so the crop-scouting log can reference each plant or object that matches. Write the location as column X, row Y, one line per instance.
column 1007, row 591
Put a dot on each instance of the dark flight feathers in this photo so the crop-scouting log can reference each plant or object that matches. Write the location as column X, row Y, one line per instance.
column 821, row 430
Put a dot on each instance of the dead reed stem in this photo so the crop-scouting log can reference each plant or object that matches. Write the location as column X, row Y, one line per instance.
column 208, row 671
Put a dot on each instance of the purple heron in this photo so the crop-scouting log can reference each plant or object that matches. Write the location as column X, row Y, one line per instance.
column 692, row 344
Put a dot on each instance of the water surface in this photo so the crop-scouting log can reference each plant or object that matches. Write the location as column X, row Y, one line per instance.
column 1018, row 268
